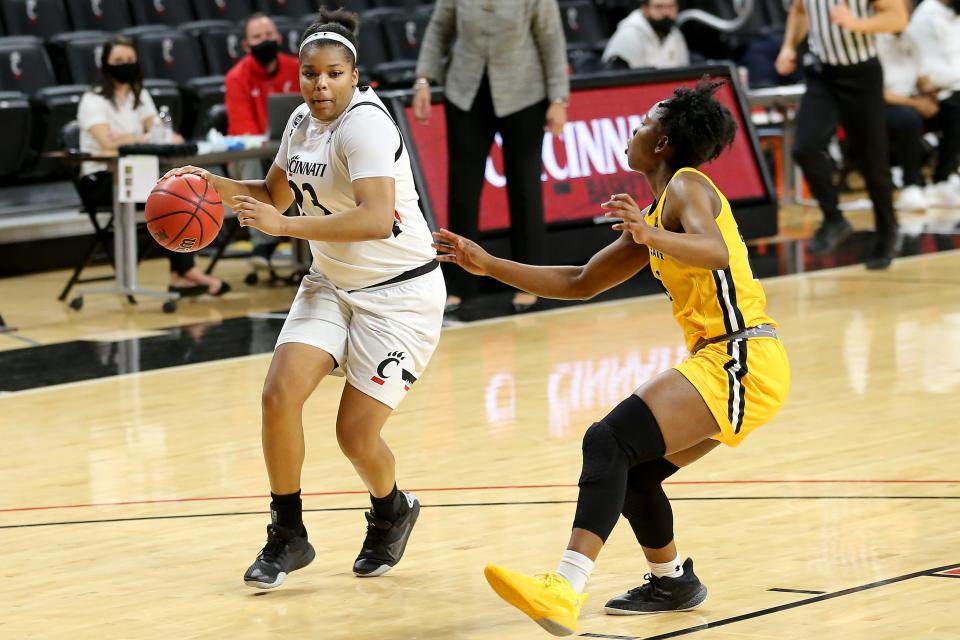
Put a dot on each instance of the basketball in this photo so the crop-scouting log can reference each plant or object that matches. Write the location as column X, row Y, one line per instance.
column 184, row 213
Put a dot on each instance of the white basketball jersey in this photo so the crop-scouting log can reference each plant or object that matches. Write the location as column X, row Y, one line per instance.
column 322, row 160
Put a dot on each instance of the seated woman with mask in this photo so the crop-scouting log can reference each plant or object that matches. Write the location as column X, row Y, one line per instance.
column 119, row 111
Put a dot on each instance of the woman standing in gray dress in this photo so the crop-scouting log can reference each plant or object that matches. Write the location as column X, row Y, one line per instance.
column 503, row 67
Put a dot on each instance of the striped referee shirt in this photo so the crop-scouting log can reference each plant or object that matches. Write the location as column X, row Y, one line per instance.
column 836, row 46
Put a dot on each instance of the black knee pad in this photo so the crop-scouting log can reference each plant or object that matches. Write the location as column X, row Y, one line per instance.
column 646, row 506
column 601, row 452
column 650, row 475
column 636, row 429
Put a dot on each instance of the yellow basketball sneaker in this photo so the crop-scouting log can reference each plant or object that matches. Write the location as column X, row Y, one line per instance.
column 546, row 597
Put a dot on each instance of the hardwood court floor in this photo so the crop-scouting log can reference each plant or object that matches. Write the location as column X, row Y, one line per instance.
column 132, row 505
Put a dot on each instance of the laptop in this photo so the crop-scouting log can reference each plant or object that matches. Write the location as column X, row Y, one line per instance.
column 279, row 108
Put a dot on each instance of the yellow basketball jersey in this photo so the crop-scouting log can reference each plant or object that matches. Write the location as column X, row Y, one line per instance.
column 708, row 303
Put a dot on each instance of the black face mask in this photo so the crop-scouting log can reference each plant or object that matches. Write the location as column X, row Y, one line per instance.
column 662, row 26
column 125, row 73
column 955, row 5
column 265, row 52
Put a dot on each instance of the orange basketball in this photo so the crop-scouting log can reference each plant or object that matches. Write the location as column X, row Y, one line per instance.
column 184, row 213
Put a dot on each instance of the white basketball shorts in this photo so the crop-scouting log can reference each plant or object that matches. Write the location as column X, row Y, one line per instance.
column 381, row 338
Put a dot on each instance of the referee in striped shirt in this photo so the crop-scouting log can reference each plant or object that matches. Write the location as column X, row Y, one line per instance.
column 845, row 85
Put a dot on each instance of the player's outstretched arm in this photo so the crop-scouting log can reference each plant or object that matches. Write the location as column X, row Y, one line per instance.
column 609, row 267
column 273, row 190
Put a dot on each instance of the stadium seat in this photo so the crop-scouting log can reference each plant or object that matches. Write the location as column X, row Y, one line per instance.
column 377, row 59
column 170, row 54
column 290, row 8
column 16, row 128
column 404, row 33
column 25, row 67
column 168, row 12
column 200, row 94
column 235, row 10
column 76, row 55
column 581, row 23
column 137, row 32
column 42, row 18
column 611, row 12
column 220, row 41
column 290, row 29
column 101, row 15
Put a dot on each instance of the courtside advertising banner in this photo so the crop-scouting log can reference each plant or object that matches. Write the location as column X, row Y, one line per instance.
column 587, row 164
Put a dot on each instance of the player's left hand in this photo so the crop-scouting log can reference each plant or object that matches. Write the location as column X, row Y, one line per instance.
column 623, row 207
column 841, row 16
column 556, row 118
column 253, row 213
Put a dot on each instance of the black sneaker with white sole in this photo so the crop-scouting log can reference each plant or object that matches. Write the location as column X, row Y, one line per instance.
column 285, row 551
column 660, row 595
column 385, row 542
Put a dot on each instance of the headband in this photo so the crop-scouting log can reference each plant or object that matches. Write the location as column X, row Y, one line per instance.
column 328, row 35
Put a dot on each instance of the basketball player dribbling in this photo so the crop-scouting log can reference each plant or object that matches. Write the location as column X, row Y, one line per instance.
column 734, row 381
column 371, row 305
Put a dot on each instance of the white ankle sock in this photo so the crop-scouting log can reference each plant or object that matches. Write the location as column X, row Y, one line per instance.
column 576, row 568
column 672, row 569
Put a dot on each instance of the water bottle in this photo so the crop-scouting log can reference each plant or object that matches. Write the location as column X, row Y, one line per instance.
column 158, row 131
column 167, row 122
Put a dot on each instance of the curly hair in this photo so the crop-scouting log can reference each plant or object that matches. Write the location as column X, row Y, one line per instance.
column 341, row 22
column 697, row 126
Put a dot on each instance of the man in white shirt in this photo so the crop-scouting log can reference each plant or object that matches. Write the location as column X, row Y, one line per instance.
column 649, row 37
column 935, row 29
column 911, row 100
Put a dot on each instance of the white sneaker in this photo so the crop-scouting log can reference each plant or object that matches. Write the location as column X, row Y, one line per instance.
column 943, row 194
column 912, row 199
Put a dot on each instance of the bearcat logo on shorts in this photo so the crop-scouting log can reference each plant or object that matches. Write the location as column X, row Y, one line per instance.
column 383, row 370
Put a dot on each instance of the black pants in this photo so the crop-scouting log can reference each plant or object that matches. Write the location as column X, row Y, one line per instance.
column 906, row 127
column 853, row 96
column 469, row 136
column 96, row 192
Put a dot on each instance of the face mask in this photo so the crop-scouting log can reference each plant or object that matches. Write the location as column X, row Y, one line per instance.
column 955, row 5
column 125, row 73
column 265, row 52
column 662, row 26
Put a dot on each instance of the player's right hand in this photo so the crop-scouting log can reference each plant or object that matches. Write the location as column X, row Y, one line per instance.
column 786, row 61
column 422, row 105
column 466, row 253
column 179, row 171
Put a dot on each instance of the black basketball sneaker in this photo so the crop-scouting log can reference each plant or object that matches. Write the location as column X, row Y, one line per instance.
column 383, row 547
column 659, row 595
column 284, row 552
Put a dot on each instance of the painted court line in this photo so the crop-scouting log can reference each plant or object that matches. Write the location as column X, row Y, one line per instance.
column 182, row 516
column 475, row 488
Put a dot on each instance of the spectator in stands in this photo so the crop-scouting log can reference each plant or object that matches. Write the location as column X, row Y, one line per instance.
column 263, row 71
column 648, row 37
column 910, row 103
column 935, row 28
column 119, row 111
column 500, row 74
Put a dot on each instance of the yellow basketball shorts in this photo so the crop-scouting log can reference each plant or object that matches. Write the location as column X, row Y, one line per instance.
column 743, row 382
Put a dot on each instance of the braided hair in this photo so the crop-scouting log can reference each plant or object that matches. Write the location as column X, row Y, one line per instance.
column 698, row 127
